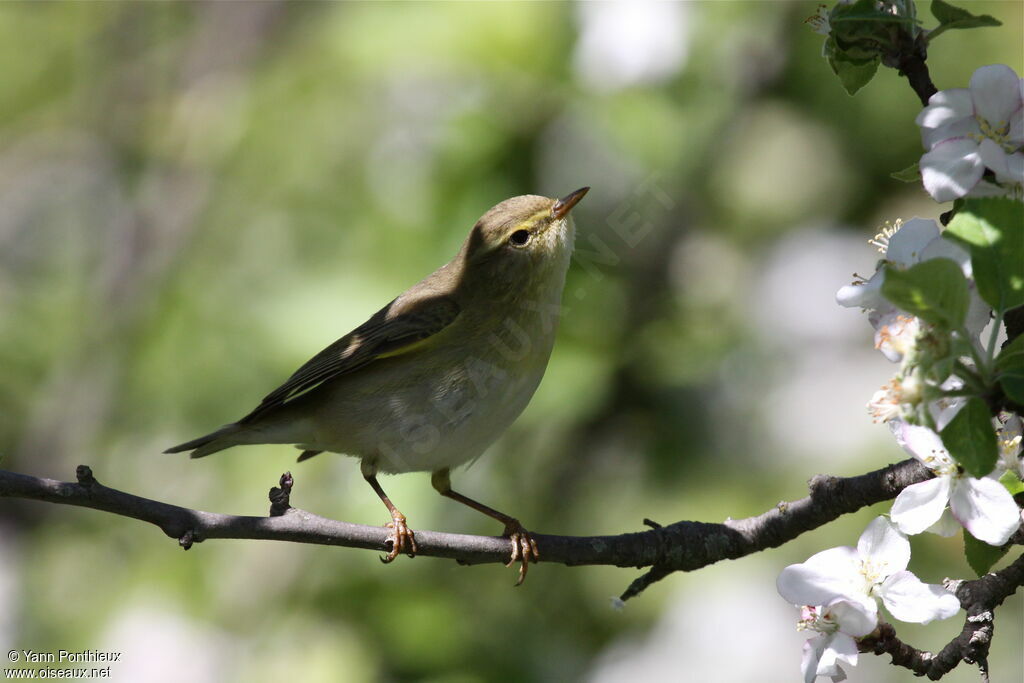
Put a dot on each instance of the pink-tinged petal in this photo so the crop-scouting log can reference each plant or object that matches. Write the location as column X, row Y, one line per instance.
column 866, row 295
column 885, row 546
column 907, row 245
column 824, row 577
column 985, row 508
column 838, row 648
column 854, row 618
column 951, row 169
column 922, row 443
column 945, row 107
column 995, row 91
column 909, row 599
column 919, row 506
column 959, row 128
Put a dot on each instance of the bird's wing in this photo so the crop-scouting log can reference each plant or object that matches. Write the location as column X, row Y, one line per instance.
column 393, row 330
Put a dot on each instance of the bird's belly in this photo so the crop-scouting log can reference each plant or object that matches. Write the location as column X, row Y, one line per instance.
column 431, row 420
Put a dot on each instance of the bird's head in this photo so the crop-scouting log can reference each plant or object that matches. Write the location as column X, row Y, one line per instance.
column 523, row 242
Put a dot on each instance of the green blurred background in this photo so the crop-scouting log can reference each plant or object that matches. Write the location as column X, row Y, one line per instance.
column 196, row 197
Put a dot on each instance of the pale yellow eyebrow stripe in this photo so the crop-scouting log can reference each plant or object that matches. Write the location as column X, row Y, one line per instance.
column 530, row 222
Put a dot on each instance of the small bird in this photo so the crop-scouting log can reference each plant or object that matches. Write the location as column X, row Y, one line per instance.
column 434, row 377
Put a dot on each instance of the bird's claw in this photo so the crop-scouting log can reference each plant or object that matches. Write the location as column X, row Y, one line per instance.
column 524, row 548
column 401, row 536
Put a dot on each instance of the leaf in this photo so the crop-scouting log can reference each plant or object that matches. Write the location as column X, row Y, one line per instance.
column 1012, row 483
column 970, row 438
column 954, row 17
column 911, row 174
column 853, row 76
column 993, row 230
column 866, row 11
column 980, row 555
column 1013, row 386
column 934, row 290
column 1010, row 370
column 864, row 31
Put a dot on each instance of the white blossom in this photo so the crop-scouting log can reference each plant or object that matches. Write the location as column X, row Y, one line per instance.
column 968, row 130
column 904, row 244
column 876, row 568
column 837, row 624
column 982, row 505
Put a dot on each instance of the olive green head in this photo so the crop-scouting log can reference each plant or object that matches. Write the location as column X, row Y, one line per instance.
column 522, row 242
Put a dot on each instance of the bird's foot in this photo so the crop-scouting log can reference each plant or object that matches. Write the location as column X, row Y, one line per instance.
column 402, row 538
column 524, row 548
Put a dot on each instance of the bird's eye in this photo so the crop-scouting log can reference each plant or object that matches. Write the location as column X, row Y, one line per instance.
column 519, row 237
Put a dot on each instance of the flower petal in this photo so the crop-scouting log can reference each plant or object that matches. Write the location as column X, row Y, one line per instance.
column 951, row 169
column 824, row 577
column 813, row 647
column 919, row 506
column 947, row 526
column 1016, row 133
column 922, row 443
column 885, row 546
column 960, row 128
column 993, row 156
column 909, row 599
column 839, row 647
column 906, row 246
column 854, row 618
column 895, row 333
column 945, row 248
column 985, row 508
column 1014, row 168
column 945, row 107
column 979, row 314
column 995, row 92
column 986, row 189
column 866, row 295
column 943, row 411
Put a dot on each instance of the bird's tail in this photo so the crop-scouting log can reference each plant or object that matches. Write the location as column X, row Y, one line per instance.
column 211, row 443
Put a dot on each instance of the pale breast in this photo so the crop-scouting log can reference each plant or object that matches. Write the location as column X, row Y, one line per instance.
column 428, row 410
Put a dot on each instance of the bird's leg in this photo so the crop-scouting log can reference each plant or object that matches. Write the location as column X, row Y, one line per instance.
column 524, row 548
column 401, row 534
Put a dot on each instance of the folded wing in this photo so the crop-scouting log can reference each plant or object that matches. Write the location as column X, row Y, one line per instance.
column 393, row 330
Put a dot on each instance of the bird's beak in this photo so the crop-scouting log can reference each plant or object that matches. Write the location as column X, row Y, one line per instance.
column 564, row 205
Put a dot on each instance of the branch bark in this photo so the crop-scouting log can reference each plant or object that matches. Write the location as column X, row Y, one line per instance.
column 683, row 546
column 910, row 58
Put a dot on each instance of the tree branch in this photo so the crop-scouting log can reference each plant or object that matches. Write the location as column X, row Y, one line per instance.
column 980, row 599
column 910, row 58
column 683, row 546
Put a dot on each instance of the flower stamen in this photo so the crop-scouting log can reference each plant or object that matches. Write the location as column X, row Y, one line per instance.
column 881, row 240
column 819, row 21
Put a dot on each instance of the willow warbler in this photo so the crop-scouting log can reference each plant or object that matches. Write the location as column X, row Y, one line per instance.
column 434, row 377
